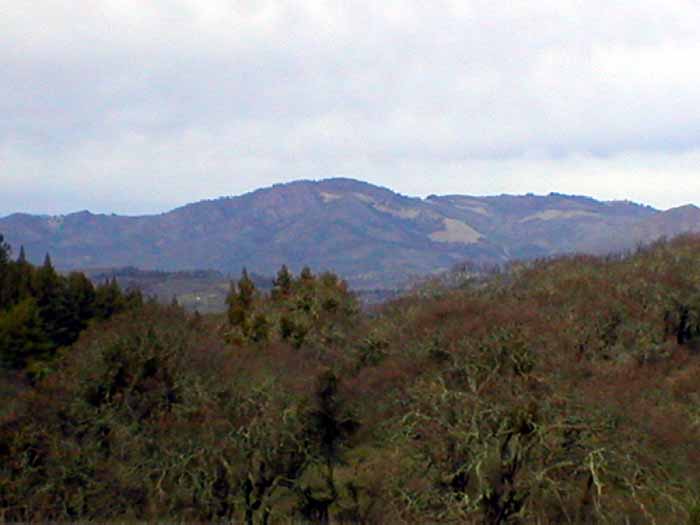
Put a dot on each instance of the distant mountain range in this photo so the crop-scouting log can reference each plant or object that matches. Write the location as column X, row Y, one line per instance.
column 372, row 236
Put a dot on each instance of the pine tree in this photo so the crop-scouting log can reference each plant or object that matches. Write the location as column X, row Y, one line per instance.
column 24, row 275
column 108, row 299
column 260, row 330
column 15, row 277
column 46, row 283
column 22, row 336
column 282, row 285
column 5, row 251
column 81, row 300
column 240, row 301
column 306, row 275
column 246, row 290
column 51, row 298
column 5, row 274
column 234, row 312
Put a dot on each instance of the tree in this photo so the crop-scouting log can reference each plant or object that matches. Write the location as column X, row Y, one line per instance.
column 23, row 277
column 22, row 336
column 329, row 427
column 4, row 272
column 49, row 291
column 246, row 290
column 5, row 251
column 108, row 299
column 80, row 294
column 240, row 303
column 306, row 275
column 282, row 285
column 260, row 329
column 46, row 282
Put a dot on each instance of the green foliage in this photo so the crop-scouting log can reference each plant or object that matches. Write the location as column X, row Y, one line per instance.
column 241, row 300
column 260, row 330
column 282, row 285
column 109, row 300
column 311, row 311
column 22, row 335
column 42, row 311
column 5, row 251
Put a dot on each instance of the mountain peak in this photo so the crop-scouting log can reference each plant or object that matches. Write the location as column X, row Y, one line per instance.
column 369, row 234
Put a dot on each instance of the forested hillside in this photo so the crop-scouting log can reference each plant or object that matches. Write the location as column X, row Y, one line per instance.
column 374, row 237
column 42, row 311
column 564, row 390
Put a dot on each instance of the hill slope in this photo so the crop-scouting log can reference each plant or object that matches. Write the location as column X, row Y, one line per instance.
column 371, row 235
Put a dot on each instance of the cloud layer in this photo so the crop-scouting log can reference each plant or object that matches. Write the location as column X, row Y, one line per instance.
column 135, row 107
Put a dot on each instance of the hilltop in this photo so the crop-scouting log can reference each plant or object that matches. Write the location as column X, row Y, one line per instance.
column 372, row 236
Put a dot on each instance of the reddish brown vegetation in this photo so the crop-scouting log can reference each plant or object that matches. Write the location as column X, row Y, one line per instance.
column 564, row 391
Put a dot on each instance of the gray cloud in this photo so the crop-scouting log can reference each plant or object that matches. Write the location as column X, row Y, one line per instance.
column 136, row 107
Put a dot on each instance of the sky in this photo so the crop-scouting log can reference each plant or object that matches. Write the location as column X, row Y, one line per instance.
column 136, row 107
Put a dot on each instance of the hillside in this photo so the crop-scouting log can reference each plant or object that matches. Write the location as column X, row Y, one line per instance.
column 372, row 236
column 562, row 391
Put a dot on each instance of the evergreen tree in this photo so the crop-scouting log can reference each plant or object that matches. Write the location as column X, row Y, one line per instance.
column 133, row 299
column 234, row 312
column 80, row 294
column 5, row 251
column 5, row 272
column 45, row 283
column 246, row 290
column 108, row 299
column 15, row 277
column 306, row 276
column 52, row 300
column 24, row 274
column 329, row 427
column 282, row 285
column 22, row 335
column 240, row 301
column 260, row 330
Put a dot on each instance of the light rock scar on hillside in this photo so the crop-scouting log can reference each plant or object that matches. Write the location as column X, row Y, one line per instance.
column 456, row 231
column 404, row 213
column 329, row 197
column 476, row 209
column 470, row 205
column 549, row 215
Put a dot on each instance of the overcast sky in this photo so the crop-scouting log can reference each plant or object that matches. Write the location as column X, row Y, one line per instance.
column 136, row 107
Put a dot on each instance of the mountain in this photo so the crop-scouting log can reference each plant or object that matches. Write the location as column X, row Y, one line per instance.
column 685, row 219
column 371, row 235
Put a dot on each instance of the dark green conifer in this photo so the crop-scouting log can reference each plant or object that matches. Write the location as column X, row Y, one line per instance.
column 282, row 283
column 306, row 275
column 246, row 290
column 22, row 335
column 260, row 330
column 5, row 274
column 81, row 300
column 108, row 299
column 240, row 301
column 5, row 251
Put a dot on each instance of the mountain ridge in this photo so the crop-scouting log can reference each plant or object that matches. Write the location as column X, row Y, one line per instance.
column 370, row 234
